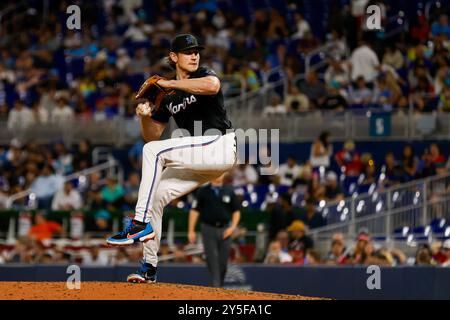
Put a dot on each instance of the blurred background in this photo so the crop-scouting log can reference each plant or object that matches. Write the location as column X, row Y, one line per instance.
column 363, row 116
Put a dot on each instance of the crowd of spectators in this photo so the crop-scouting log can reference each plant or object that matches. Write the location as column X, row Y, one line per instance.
column 50, row 74
column 294, row 246
column 291, row 214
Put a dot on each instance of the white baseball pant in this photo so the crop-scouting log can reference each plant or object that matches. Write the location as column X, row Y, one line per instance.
column 174, row 167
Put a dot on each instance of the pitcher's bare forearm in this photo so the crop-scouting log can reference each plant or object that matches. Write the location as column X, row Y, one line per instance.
column 151, row 130
column 204, row 86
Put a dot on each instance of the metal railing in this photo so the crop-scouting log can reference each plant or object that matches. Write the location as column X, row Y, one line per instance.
column 111, row 168
column 411, row 204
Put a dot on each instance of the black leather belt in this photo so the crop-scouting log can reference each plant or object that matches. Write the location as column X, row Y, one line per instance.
column 216, row 224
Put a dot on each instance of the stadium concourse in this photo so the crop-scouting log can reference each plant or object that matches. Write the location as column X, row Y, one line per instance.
column 51, row 77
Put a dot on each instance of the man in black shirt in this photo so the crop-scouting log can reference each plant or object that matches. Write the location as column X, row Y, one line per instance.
column 174, row 167
column 216, row 205
column 311, row 217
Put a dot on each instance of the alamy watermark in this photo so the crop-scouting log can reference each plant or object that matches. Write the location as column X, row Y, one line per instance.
column 374, row 280
column 373, row 17
column 258, row 147
column 74, row 280
column 73, row 22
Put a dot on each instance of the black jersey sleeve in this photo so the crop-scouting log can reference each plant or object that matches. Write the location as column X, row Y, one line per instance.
column 204, row 72
column 162, row 114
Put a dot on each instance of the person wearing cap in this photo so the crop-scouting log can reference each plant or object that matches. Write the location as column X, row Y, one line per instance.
column 299, row 242
column 176, row 166
column 218, row 209
column 362, row 239
column 349, row 159
column 333, row 192
column 446, row 252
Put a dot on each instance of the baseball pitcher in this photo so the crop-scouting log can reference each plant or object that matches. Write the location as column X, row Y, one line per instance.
column 174, row 167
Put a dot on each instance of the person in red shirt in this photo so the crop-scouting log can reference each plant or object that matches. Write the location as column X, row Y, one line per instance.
column 44, row 229
column 421, row 29
column 437, row 158
column 349, row 160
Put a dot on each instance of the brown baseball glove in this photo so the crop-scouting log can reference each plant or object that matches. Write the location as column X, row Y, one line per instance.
column 152, row 91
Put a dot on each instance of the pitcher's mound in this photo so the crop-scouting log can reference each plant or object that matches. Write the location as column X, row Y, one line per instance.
column 128, row 291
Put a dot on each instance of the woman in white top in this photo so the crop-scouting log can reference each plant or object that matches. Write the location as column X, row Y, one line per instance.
column 321, row 151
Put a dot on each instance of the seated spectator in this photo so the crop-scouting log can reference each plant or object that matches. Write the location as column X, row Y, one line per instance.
column 131, row 190
column 446, row 252
column 95, row 257
column 333, row 192
column 63, row 159
column 283, row 237
column 356, row 257
column 112, row 194
column 337, row 254
column 369, row 173
column 410, row 162
column 281, row 215
column 63, row 113
column 423, row 96
column 299, row 242
column 275, row 107
column 138, row 31
column 43, row 229
column 441, row 26
column 140, row 62
column 424, row 256
column 337, row 72
column 123, row 59
column 370, row 256
column 393, row 57
column 426, row 167
column 321, row 151
column 67, row 199
column 289, row 171
column 40, row 114
column 393, row 173
column 311, row 217
column 135, row 154
column 100, row 113
column 94, row 200
column 337, row 45
column 102, row 223
column 251, row 79
column 302, row 26
column 45, row 186
column 444, row 97
column 83, row 156
column 314, row 90
column 349, row 160
column 386, row 92
column 121, row 257
column 334, row 100
column 302, row 184
column 312, row 258
column 295, row 101
column 243, row 175
column 361, row 94
column 19, row 117
column 276, row 255
column 437, row 158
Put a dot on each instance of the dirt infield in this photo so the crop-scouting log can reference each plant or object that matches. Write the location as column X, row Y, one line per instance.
column 121, row 291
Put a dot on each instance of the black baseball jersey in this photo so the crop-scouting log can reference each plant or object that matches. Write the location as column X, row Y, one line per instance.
column 215, row 204
column 186, row 108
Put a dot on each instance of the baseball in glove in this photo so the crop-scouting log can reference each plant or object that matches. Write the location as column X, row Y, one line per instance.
column 152, row 91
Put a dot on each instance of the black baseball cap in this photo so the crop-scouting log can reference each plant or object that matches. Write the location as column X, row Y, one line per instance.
column 184, row 42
